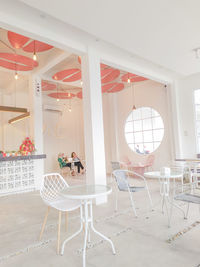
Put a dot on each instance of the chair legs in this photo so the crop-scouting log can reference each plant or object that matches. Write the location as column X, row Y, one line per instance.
column 132, row 204
column 58, row 235
column 59, row 226
column 44, row 223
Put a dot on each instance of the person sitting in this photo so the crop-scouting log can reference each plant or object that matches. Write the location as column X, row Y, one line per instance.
column 63, row 161
column 77, row 162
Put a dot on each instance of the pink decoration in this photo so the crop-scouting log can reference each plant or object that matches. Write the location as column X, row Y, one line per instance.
column 17, row 62
column 60, row 95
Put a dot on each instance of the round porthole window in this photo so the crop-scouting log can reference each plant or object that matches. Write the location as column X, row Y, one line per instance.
column 144, row 130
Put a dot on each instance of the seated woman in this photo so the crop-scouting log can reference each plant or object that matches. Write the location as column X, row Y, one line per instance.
column 63, row 161
column 77, row 161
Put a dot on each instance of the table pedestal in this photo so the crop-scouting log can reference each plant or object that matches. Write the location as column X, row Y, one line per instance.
column 164, row 192
column 87, row 221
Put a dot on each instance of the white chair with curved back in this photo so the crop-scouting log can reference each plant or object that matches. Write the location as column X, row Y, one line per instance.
column 52, row 185
column 121, row 177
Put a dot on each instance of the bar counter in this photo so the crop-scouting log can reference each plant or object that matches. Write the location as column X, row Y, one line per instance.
column 20, row 173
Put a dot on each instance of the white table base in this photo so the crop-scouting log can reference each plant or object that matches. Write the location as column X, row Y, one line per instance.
column 86, row 214
column 164, row 192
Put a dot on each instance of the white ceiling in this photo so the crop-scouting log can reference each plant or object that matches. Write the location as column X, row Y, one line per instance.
column 164, row 32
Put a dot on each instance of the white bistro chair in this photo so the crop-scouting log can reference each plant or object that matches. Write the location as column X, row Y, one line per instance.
column 52, row 184
column 121, row 177
column 188, row 193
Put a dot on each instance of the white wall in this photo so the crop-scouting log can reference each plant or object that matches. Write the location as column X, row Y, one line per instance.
column 186, row 112
column 12, row 135
column 149, row 94
column 62, row 133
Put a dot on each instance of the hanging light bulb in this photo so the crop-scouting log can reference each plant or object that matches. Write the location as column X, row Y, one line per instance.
column 81, row 82
column 16, row 76
column 34, row 56
column 70, row 110
column 57, row 99
column 129, row 80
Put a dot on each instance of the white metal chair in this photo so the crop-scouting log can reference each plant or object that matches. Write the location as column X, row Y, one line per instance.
column 188, row 193
column 121, row 177
column 52, row 185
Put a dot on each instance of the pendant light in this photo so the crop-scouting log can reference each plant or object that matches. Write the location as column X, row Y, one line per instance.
column 129, row 80
column 70, row 106
column 34, row 53
column 133, row 97
column 57, row 93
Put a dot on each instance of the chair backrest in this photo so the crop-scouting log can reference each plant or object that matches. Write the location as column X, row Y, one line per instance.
column 52, row 184
column 121, row 179
column 115, row 165
column 150, row 160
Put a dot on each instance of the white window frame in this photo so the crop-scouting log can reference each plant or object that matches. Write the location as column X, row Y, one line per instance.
column 153, row 142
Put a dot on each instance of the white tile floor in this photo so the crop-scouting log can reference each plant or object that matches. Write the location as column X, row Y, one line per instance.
column 139, row 241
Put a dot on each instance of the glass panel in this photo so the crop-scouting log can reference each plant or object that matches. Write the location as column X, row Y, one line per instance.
column 158, row 135
column 146, row 113
column 148, row 136
column 197, row 96
column 144, row 130
column 197, row 112
column 137, row 114
column 138, row 137
column 132, row 146
column 155, row 113
column 137, row 126
column 130, row 117
column 148, row 148
column 129, row 138
column 129, row 127
column 147, row 124
column 139, row 148
column 198, row 144
column 198, row 128
column 156, row 145
column 157, row 123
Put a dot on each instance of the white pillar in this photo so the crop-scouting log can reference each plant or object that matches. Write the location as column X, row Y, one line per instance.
column 36, row 123
column 93, row 119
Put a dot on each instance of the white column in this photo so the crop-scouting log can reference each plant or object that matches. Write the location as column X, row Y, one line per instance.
column 36, row 123
column 93, row 119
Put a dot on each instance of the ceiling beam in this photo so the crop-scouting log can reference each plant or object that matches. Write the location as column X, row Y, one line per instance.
column 13, row 109
column 19, row 118
column 51, row 63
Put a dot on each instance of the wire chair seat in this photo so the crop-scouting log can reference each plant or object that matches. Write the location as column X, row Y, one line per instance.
column 188, row 198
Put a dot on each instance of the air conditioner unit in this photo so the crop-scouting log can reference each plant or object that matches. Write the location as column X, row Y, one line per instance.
column 54, row 109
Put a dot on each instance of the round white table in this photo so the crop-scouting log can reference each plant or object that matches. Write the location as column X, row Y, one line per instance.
column 86, row 193
column 164, row 180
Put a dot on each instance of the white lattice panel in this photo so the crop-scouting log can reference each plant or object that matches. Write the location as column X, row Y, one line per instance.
column 16, row 176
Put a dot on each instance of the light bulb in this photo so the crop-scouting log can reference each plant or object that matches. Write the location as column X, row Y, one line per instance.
column 81, row 82
column 57, row 99
column 16, row 76
column 34, row 56
column 129, row 80
column 70, row 109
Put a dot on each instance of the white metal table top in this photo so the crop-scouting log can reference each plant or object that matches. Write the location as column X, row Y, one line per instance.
column 158, row 175
column 86, row 191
